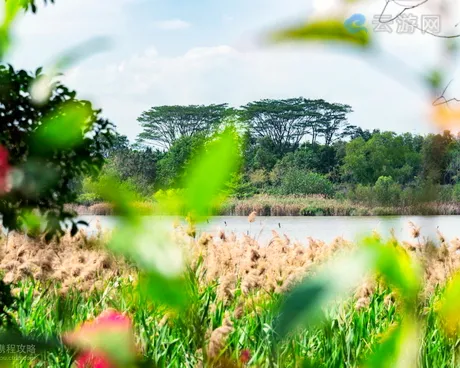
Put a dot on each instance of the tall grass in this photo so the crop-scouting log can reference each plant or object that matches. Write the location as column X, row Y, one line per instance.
column 234, row 287
column 267, row 205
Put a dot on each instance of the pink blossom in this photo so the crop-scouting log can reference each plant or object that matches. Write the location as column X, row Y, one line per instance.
column 92, row 339
column 93, row 360
column 245, row 356
column 4, row 170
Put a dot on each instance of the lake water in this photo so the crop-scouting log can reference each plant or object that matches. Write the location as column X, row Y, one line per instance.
column 322, row 228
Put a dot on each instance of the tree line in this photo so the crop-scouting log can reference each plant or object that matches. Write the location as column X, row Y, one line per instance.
column 292, row 146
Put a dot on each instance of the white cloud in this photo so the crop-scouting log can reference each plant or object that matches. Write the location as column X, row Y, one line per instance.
column 40, row 38
column 172, row 24
column 224, row 74
column 125, row 84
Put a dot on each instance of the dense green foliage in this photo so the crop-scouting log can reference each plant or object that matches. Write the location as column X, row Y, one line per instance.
column 296, row 147
column 49, row 144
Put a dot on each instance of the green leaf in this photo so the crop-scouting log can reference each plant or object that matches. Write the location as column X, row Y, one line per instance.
column 435, row 79
column 161, row 261
column 399, row 348
column 79, row 52
column 31, row 223
column 168, row 291
column 64, row 129
column 449, row 306
column 397, row 269
column 11, row 10
column 323, row 30
column 386, row 350
column 208, row 174
column 111, row 190
column 305, row 304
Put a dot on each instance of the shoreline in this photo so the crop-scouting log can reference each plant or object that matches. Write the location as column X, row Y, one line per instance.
column 292, row 206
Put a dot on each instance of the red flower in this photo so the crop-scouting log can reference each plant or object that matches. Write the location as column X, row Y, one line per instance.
column 107, row 339
column 93, row 360
column 4, row 170
column 245, row 356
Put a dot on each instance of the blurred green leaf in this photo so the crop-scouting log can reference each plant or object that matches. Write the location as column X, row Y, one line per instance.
column 83, row 50
column 168, row 291
column 397, row 269
column 398, row 348
column 210, row 171
column 160, row 260
column 148, row 244
column 122, row 199
column 42, row 88
column 387, row 349
column 32, row 223
column 435, row 79
column 449, row 306
column 64, row 129
column 11, row 10
column 305, row 304
column 323, row 30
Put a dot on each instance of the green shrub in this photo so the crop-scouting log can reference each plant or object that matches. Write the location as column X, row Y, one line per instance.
column 386, row 191
column 88, row 199
column 362, row 194
column 446, row 193
column 456, row 192
column 308, row 183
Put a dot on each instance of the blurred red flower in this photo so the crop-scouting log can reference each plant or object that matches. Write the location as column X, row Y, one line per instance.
column 245, row 356
column 92, row 360
column 4, row 170
column 104, row 342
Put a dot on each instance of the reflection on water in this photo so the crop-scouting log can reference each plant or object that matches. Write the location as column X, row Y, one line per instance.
column 323, row 228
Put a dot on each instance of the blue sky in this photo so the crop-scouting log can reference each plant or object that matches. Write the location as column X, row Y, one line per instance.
column 209, row 51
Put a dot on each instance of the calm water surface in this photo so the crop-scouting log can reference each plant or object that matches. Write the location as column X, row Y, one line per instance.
column 323, row 228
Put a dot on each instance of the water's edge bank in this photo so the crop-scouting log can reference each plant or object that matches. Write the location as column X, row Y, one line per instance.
column 290, row 206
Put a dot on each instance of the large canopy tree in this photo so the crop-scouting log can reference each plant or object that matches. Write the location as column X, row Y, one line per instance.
column 290, row 121
column 164, row 125
column 285, row 122
column 334, row 121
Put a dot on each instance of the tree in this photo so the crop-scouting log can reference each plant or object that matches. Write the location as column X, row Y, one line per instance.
column 136, row 165
column 48, row 146
column 288, row 122
column 354, row 132
column 261, row 153
column 284, row 122
column 171, row 166
column 164, row 125
column 453, row 167
column 334, row 122
column 435, row 153
column 385, row 154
